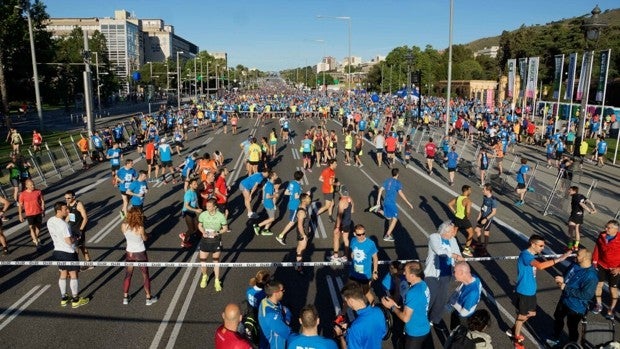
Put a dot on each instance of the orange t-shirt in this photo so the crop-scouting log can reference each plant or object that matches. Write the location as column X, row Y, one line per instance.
column 390, row 144
column 149, row 150
column 328, row 175
column 83, row 145
column 31, row 202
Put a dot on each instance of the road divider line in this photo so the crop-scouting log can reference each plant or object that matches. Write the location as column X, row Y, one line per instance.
column 340, row 284
column 173, row 303
column 105, row 229
column 19, row 301
column 177, row 326
column 24, row 305
column 333, row 295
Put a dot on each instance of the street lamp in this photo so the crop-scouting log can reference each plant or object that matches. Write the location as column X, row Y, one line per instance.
column 178, row 82
column 591, row 29
column 98, row 84
column 449, row 87
column 35, row 72
column 348, row 19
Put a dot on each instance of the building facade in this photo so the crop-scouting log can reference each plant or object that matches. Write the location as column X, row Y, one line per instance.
column 132, row 42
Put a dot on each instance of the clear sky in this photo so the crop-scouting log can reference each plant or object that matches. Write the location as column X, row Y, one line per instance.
column 280, row 34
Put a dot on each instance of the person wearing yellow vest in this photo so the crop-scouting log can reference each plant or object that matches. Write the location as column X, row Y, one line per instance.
column 461, row 207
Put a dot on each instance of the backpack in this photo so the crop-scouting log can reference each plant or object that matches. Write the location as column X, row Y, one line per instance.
column 460, row 338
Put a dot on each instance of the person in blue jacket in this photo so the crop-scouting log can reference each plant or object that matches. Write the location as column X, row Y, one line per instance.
column 274, row 318
column 578, row 286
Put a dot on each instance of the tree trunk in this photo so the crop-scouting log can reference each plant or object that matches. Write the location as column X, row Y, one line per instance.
column 3, row 93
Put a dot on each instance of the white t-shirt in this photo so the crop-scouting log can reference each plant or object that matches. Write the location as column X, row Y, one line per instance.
column 59, row 230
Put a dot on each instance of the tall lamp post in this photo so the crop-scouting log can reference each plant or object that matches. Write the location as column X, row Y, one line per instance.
column 35, row 72
column 178, row 82
column 591, row 29
column 348, row 19
column 449, row 87
column 98, row 84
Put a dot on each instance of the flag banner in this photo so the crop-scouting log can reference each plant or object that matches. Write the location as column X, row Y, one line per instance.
column 585, row 62
column 602, row 78
column 522, row 74
column 532, row 77
column 557, row 75
column 570, row 83
column 490, row 98
column 511, row 76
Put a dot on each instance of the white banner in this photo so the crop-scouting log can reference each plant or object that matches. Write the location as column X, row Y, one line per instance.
column 532, row 77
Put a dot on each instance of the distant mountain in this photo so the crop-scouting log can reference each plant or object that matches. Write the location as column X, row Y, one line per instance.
column 611, row 16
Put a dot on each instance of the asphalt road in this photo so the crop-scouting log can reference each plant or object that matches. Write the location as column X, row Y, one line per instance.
column 187, row 316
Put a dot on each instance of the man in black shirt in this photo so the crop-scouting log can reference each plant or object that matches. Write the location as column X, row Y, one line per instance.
column 578, row 204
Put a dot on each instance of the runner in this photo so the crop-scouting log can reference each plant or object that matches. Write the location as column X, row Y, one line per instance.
column 270, row 197
column 461, row 207
column 392, row 187
column 578, row 204
column 149, row 155
column 429, row 150
column 137, row 191
column 84, row 146
column 343, row 225
column 329, row 180
column 293, row 191
column 212, row 225
column 64, row 251
column 303, row 230
column 77, row 219
column 190, row 213
column 135, row 236
column 165, row 159
column 488, row 210
column 32, row 204
column 125, row 176
column 115, row 156
column 5, row 206
column 248, row 186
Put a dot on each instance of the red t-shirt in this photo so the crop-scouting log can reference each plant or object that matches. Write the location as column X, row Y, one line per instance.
column 226, row 339
column 328, row 175
column 31, row 202
column 220, row 184
column 390, row 144
column 149, row 150
column 430, row 149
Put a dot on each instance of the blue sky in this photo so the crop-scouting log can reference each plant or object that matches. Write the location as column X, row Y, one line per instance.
column 279, row 34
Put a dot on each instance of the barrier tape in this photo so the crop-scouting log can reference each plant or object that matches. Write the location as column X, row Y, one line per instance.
column 223, row 264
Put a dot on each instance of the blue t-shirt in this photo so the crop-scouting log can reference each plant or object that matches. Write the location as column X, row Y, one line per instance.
column 417, row 298
column 468, row 297
column 453, row 159
column 524, row 169
column 601, row 147
column 391, row 186
column 388, row 284
column 361, row 253
column 191, row 198
column 249, row 182
column 550, row 149
column 190, row 163
column 362, row 125
column 273, row 322
column 97, row 142
column 368, row 329
column 295, row 191
column 126, row 176
column 115, row 156
column 268, row 189
column 526, row 274
column 138, row 187
column 165, row 152
column 306, row 145
column 254, row 296
column 310, row 342
column 488, row 204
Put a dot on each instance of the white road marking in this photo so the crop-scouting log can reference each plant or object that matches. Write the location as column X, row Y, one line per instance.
column 173, row 303
column 177, row 326
column 24, row 305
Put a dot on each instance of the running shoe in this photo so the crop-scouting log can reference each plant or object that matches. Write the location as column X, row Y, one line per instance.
column 519, row 203
column 217, row 285
column 186, row 245
column 309, row 170
column 78, row 302
column 552, row 342
column 4, row 219
column 331, row 219
column 125, row 300
column 361, row 165
column 266, row 232
column 530, row 189
column 597, row 308
column 64, row 300
column 151, row 301
column 609, row 315
column 334, row 258
column 182, row 236
column 5, row 251
column 280, row 240
column 122, row 215
column 467, row 252
column 256, row 229
column 374, row 208
column 343, row 259
column 203, row 281
column 389, row 238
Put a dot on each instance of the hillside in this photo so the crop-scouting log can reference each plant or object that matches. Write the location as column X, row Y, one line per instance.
column 611, row 16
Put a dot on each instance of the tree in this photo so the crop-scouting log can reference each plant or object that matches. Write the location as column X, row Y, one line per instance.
column 15, row 69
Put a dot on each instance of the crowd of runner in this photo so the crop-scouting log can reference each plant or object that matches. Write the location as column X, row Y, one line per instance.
column 415, row 293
